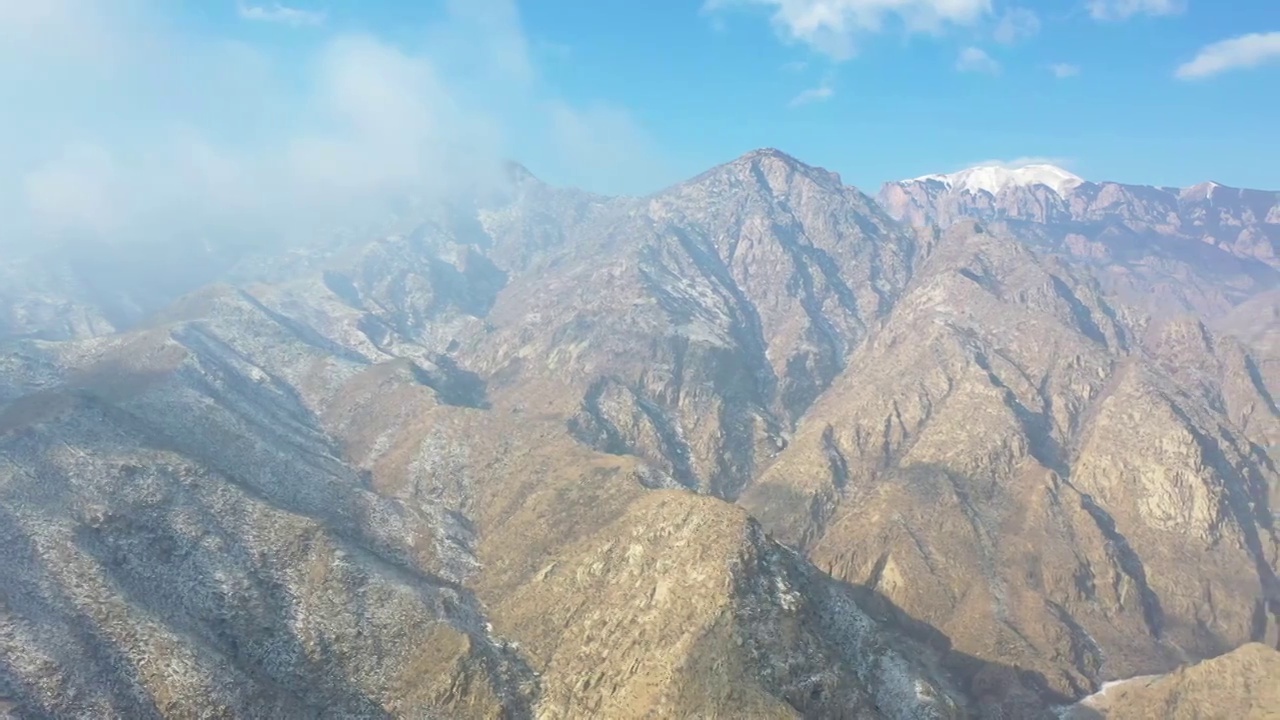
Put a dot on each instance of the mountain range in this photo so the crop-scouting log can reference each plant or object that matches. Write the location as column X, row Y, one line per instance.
column 1244, row 223
column 755, row 445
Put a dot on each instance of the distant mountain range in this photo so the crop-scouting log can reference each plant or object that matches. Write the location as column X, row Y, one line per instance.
column 1245, row 223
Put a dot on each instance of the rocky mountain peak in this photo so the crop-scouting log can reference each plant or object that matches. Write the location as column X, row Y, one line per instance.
column 769, row 154
column 774, row 170
column 516, row 172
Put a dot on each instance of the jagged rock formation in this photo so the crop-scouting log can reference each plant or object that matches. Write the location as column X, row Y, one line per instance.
column 486, row 465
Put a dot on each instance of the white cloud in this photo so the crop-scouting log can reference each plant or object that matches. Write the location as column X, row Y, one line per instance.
column 1064, row 70
column 76, row 189
column 1125, row 9
column 191, row 135
column 977, row 60
column 1245, row 51
column 391, row 120
column 1015, row 25
column 277, row 13
column 372, row 123
column 78, row 30
column 48, row 17
column 833, row 27
column 820, row 93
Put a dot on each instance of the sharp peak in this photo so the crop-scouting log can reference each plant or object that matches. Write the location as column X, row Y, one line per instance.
column 517, row 171
column 771, row 154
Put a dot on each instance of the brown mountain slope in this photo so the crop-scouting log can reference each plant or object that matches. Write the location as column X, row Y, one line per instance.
column 743, row 629
column 1243, row 684
column 706, row 320
column 1009, row 461
column 324, row 525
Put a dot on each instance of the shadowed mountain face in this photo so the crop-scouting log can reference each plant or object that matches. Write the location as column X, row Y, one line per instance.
column 748, row 447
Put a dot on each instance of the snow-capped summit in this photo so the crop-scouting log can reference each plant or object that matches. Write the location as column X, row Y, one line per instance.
column 994, row 178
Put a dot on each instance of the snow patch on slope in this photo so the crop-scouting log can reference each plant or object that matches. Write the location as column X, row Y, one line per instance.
column 1091, row 702
column 994, row 178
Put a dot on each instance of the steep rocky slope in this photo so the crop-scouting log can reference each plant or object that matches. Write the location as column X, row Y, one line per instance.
column 178, row 527
column 302, row 496
column 1010, row 461
column 699, row 324
column 486, row 465
column 746, row 629
column 1256, row 324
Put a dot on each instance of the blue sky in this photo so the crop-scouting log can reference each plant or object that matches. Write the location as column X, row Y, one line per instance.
column 708, row 86
column 124, row 116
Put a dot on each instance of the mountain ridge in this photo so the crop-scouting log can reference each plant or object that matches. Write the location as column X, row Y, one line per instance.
column 1243, row 222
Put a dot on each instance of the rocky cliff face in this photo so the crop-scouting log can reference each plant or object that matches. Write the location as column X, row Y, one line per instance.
column 748, row 447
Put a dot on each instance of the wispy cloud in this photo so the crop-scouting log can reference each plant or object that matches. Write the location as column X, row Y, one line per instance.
column 601, row 145
column 795, row 66
column 1245, row 51
column 820, row 93
column 283, row 14
column 1125, row 9
column 1015, row 25
column 976, row 60
column 189, row 135
column 81, row 31
column 1064, row 70
column 833, row 27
